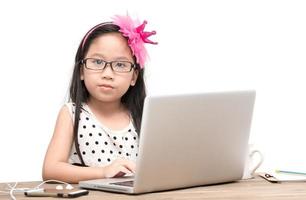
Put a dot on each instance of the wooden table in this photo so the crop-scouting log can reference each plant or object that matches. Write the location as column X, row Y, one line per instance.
column 257, row 188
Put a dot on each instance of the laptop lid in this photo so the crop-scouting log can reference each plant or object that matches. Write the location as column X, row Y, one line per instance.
column 190, row 140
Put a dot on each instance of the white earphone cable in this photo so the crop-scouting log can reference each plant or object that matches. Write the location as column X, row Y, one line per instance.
column 11, row 189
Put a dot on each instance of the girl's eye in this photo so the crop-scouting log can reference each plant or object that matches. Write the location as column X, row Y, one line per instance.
column 98, row 61
column 120, row 64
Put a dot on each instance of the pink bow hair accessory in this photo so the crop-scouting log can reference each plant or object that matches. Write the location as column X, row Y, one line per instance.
column 136, row 35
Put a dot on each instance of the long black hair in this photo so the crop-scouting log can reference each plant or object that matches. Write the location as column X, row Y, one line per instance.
column 133, row 99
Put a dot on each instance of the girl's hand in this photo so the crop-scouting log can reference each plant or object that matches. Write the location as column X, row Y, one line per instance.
column 119, row 168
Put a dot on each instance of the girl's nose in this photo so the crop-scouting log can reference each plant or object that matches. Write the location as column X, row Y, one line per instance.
column 108, row 72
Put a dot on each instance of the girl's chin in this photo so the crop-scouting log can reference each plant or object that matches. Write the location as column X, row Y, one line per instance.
column 107, row 98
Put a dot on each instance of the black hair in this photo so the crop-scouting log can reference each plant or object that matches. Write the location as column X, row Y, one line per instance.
column 133, row 99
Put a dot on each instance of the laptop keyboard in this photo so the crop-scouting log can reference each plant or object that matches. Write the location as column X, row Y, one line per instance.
column 124, row 183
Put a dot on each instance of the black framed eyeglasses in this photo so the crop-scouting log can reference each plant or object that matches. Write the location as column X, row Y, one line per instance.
column 97, row 64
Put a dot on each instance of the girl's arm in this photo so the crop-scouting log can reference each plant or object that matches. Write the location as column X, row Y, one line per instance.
column 56, row 164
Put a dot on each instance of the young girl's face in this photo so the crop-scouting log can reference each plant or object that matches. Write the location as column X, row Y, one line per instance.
column 107, row 85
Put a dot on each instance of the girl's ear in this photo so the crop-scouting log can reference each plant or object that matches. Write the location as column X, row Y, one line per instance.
column 134, row 77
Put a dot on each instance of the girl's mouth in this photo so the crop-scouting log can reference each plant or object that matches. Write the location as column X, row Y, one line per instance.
column 106, row 87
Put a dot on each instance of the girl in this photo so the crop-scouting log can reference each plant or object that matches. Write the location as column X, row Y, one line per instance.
column 95, row 134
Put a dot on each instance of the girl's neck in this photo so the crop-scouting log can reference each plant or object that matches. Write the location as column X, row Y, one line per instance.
column 114, row 115
column 106, row 108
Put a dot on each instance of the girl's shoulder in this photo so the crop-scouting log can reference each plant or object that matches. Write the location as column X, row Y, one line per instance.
column 70, row 106
column 71, row 109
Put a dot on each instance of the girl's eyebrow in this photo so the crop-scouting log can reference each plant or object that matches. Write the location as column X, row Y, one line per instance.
column 121, row 58
column 97, row 55
column 115, row 58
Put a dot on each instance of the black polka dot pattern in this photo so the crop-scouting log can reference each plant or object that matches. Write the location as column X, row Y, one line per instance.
column 99, row 145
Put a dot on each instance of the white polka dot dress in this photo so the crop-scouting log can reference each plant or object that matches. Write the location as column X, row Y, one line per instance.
column 98, row 144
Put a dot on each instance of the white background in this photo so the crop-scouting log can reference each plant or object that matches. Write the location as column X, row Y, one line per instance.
column 203, row 46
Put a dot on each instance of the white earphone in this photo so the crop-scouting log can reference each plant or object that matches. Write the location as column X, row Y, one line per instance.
column 60, row 187
column 69, row 187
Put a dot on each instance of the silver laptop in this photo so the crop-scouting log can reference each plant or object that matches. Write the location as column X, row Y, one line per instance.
column 188, row 140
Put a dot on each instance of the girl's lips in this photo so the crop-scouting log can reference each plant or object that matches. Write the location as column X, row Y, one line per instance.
column 105, row 86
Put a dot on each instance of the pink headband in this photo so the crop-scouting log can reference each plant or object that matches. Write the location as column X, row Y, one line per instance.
column 135, row 33
column 90, row 31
